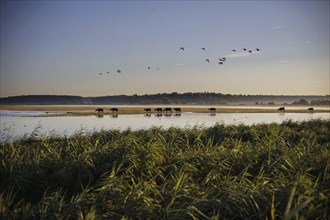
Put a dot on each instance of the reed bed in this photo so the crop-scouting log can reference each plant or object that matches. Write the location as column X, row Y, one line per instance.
column 262, row 171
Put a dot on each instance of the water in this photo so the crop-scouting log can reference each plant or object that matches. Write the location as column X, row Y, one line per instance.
column 15, row 123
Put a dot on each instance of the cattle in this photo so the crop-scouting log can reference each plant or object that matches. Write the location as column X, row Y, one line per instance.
column 114, row 110
column 167, row 109
column 177, row 109
column 212, row 109
column 147, row 109
column 310, row 109
column 158, row 110
column 281, row 109
column 99, row 110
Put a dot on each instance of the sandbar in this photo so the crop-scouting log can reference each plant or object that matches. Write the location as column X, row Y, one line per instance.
column 72, row 110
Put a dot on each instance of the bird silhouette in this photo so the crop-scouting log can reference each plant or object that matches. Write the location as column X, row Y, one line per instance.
column 118, row 71
column 250, row 51
column 148, row 67
column 100, row 73
column 157, row 69
column 244, row 49
column 220, row 63
column 257, row 49
column 207, row 60
column 223, row 59
column 181, row 48
column 203, row 48
column 107, row 72
column 234, row 50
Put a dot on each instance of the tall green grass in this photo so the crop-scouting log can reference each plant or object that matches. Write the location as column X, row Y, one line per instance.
column 263, row 171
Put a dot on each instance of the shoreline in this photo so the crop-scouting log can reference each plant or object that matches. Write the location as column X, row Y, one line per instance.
column 90, row 110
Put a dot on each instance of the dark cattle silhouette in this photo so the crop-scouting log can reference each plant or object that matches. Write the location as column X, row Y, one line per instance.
column 310, row 109
column 147, row 109
column 167, row 109
column 207, row 60
column 158, row 109
column 234, row 50
column 177, row 109
column 99, row 110
column 114, row 109
column 281, row 109
column 181, row 48
column 212, row 109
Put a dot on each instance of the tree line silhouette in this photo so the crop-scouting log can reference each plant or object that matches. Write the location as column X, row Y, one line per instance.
column 199, row 98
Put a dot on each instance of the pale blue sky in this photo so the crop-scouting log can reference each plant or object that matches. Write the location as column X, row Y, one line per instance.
column 60, row 47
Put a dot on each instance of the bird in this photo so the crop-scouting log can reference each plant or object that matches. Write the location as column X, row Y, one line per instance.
column 203, row 48
column 148, row 67
column 207, row 60
column 100, row 73
column 257, row 49
column 157, row 69
column 107, row 72
column 181, row 48
column 118, row 71
column 223, row 59
column 234, row 50
column 244, row 49
column 220, row 63
column 250, row 51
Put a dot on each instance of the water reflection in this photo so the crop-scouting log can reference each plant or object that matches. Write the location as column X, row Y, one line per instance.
column 17, row 125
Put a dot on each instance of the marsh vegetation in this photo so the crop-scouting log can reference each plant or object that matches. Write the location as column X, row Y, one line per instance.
column 224, row 171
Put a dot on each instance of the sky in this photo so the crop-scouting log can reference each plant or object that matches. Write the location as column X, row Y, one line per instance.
column 61, row 47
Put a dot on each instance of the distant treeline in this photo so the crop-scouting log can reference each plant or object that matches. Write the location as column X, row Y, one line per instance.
column 204, row 98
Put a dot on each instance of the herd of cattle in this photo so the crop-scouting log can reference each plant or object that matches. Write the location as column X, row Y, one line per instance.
column 148, row 110
column 177, row 110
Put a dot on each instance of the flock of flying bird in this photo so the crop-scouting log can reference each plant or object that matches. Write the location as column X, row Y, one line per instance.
column 221, row 60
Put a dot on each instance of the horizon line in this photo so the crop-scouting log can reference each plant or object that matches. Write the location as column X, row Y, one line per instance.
column 325, row 95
